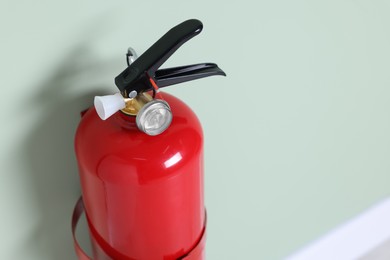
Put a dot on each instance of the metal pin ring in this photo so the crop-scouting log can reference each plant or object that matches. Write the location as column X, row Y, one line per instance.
column 131, row 56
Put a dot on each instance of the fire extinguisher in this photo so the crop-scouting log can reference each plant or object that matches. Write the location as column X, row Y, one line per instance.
column 140, row 160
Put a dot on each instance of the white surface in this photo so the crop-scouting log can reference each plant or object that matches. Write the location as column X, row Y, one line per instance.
column 382, row 252
column 296, row 136
column 360, row 238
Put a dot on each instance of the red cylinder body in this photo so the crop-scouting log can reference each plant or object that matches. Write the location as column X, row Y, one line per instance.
column 143, row 194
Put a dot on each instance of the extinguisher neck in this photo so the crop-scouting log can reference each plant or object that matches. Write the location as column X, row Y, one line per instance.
column 135, row 104
column 125, row 121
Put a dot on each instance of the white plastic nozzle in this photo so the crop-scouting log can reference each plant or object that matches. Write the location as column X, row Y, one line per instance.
column 108, row 105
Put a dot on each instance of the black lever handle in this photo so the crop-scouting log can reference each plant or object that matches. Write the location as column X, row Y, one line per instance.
column 171, row 76
column 135, row 77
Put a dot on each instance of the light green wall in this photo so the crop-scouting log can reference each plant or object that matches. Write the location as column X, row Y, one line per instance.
column 297, row 136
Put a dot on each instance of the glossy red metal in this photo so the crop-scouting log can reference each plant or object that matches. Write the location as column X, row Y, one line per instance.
column 143, row 194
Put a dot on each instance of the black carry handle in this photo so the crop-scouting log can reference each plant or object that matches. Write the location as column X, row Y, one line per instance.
column 136, row 76
column 171, row 76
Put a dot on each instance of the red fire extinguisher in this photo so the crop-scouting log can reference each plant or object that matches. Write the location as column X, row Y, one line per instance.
column 140, row 159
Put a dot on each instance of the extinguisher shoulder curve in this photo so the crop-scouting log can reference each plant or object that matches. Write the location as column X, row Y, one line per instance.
column 117, row 141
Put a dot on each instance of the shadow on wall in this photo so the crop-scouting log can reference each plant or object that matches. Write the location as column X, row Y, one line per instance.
column 50, row 153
